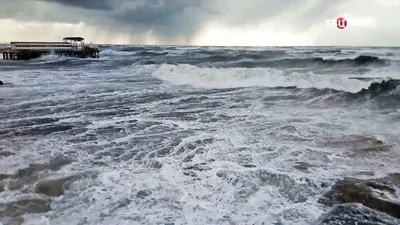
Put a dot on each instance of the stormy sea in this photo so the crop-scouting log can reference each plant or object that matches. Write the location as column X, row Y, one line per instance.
column 168, row 135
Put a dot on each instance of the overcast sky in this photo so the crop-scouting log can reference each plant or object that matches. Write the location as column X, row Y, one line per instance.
column 203, row 22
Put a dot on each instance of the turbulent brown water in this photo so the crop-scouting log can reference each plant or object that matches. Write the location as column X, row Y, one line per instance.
column 194, row 135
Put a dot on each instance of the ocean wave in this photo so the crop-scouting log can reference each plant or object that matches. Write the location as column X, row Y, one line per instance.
column 310, row 88
column 112, row 52
column 274, row 59
column 131, row 48
column 183, row 74
column 383, row 87
column 313, row 51
column 253, row 58
column 150, row 53
column 359, row 61
column 241, row 55
column 142, row 48
column 378, row 88
column 51, row 58
column 384, row 94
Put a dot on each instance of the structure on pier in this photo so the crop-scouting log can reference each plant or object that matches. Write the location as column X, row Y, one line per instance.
column 71, row 47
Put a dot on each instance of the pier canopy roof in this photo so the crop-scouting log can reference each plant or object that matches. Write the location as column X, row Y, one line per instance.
column 73, row 39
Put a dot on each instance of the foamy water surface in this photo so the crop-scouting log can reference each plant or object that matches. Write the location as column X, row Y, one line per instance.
column 179, row 139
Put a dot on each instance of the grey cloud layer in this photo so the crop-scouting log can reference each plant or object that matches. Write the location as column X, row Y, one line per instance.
column 89, row 4
column 178, row 12
column 178, row 19
column 168, row 19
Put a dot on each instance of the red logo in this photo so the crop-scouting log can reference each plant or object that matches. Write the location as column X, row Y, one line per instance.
column 341, row 23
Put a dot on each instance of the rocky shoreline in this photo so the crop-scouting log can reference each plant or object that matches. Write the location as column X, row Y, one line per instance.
column 363, row 199
column 369, row 200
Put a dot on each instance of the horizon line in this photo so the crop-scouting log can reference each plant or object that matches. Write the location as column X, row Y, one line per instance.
column 241, row 46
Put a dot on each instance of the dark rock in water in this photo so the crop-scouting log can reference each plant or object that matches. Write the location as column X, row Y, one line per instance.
column 18, row 208
column 361, row 144
column 352, row 214
column 391, row 179
column 371, row 144
column 1, row 82
column 6, row 153
column 56, row 187
column 351, row 190
column 53, row 187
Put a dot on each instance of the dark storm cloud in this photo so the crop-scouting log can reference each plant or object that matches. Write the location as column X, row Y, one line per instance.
column 179, row 21
column 156, row 14
column 86, row 4
column 38, row 10
column 167, row 19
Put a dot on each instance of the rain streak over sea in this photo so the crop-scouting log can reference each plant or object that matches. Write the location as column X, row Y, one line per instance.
column 202, row 135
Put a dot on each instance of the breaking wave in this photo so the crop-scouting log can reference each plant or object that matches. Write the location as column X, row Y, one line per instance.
column 377, row 88
column 312, row 88
column 359, row 61
column 49, row 59
column 218, row 78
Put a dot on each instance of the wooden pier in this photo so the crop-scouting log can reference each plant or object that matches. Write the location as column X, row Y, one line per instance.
column 71, row 47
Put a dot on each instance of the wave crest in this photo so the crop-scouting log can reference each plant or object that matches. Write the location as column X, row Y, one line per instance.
column 359, row 61
column 183, row 74
column 383, row 87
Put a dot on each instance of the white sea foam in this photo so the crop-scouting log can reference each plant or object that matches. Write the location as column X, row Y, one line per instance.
column 243, row 77
column 241, row 144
